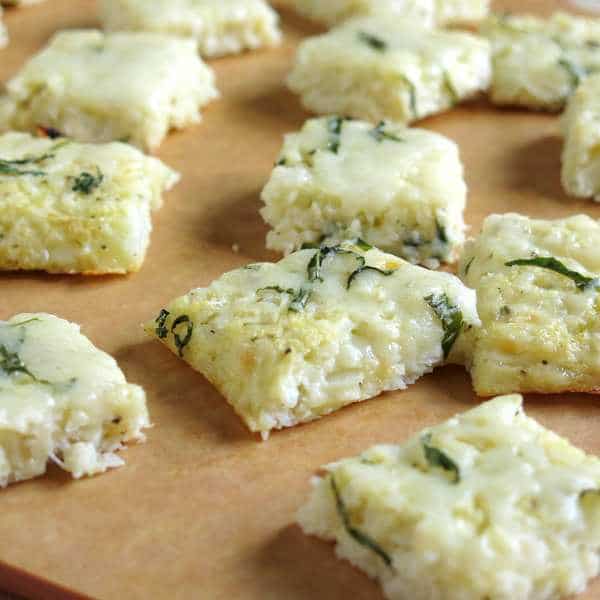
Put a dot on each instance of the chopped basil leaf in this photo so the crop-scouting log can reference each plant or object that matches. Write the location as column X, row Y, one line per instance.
column 505, row 311
column 437, row 458
column 316, row 263
column 373, row 41
column 161, row 328
column 412, row 89
column 468, row 265
column 32, row 320
column 549, row 262
column 364, row 246
column 450, row 316
column 590, row 492
column 11, row 362
column 8, row 167
column 253, row 267
column 182, row 342
column 334, row 126
column 575, row 72
column 441, row 233
column 362, row 538
column 86, row 183
column 380, row 134
column 281, row 162
column 355, row 274
column 300, row 300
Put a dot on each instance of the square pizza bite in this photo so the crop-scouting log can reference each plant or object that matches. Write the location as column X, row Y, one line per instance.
column 426, row 12
column 487, row 505
column 67, row 207
column 538, row 295
column 63, row 400
column 538, row 62
column 380, row 68
column 219, row 26
column 97, row 87
column 399, row 189
column 289, row 342
column 581, row 129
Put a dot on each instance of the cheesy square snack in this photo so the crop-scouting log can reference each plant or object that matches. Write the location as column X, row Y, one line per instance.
column 538, row 63
column 426, row 12
column 63, row 400
column 581, row 129
column 538, row 295
column 489, row 504
column 380, row 68
column 67, row 207
column 97, row 87
column 219, row 26
column 399, row 189
column 289, row 342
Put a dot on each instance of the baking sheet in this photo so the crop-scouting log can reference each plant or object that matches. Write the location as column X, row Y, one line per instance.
column 203, row 509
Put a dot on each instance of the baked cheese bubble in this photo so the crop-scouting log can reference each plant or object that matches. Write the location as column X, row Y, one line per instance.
column 67, row 207
column 489, row 504
column 378, row 68
column 102, row 87
column 538, row 296
column 396, row 188
column 62, row 400
column 289, row 342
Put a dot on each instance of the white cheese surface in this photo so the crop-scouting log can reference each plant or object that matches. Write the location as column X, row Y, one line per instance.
column 3, row 31
column 537, row 62
column 425, row 12
column 97, row 87
column 61, row 399
column 75, row 207
column 514, row 515
column 540, row 332
column 219, row 26
column 380, row 68
column 399, row 189
column 581, row 128
column 287, row 343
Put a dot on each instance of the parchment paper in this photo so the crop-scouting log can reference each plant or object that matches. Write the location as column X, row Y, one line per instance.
column 203, row 509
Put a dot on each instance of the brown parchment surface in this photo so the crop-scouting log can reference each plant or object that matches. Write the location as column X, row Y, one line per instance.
column 203, row 509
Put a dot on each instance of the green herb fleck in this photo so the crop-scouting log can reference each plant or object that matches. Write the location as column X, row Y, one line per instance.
column 449, row 85
column 11, row 362
column 441, row 233
column 505, row 311
column 334, row 127
column 298, row 298
column 253, row 267
column 12, row 167
column 436, row 458
column 86, row 183
column 380, row 134
column 373, row 41
column 576, row 72
column 182, row 342
column 161, row 328
column 26, row 322
column 412, row 90
column 361, row 538
column 450, row 316
column 355, row 274
column 548, row 262
column 281, row 162
column 364, row 246
column 468, row 265
column 316, row 263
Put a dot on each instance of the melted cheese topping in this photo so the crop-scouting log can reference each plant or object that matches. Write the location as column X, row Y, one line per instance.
column 426, row 12
column 61, row 399
column 376, row 68
column 538, row 63
column 51, row 220
column 540, row 333
column 522, row 522
column 284, row 349
column 581, row 128
column 97, row 87
column 219, row 26
column 399, row 189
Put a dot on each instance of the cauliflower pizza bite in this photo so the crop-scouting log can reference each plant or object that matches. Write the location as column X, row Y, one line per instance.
column 61, row 399
column 538, row 63
column 289, row 342
column 426, row 12
column 399, row 189
column 219, row 26
column 581, row 128
column 97, row 87
column 489, row 504
column 67, row 207
column 538, row 294
column 379, row 68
